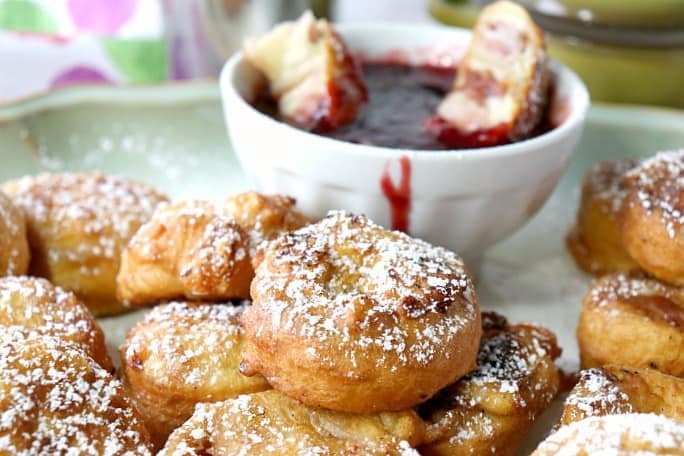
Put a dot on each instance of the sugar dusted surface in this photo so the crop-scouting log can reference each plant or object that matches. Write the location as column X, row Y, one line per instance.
column 55, row 400
column 346, row 281
column 257, row 424
column 39, row 306
column 12, row 228
column 604, row 181
column 659, row 186
column 596, row 393
column 638, row 434
column 188, row 345
column 106, row 207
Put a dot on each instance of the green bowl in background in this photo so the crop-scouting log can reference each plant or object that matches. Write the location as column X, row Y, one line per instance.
column 637, row 65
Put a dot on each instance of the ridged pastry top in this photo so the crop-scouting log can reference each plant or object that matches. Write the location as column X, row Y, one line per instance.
column 56, row 400
column 627, row 434
column 100, row 205
column 659, row 186
column 380, row 294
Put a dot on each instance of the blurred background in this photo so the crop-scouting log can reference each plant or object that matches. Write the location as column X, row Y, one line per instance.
column 626, row 50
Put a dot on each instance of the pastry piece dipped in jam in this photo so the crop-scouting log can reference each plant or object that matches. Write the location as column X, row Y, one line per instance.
column 500, row 92
column 310, row 72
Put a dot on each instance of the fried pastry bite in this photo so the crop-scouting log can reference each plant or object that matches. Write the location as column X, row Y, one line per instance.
column 352, row 317
column 42, row 308
column 500, row 92
column 310, row 73
column 14, row 248
column 634, row 434
column 611, row 390
column 632, row 322
column 187, row 251
column 54, row 399
column 270, row 423
column 264, row 217
column 181, row 354
column 202, row 250
column 653, row 220
column 595, row 242
column 490, row 410
column 78, row 224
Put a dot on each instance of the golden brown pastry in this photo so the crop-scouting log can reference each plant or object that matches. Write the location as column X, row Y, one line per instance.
column 181, row 354
column 352, row 317
column 491, row 409
column 54, row 399
column 40, row 307
column 595, row 242
column 634, row 434
column 612, row 390
column 263, row 217
column 78, row 224
column 201, row 250
column 310, row 73
column 14, row 249
column 653, row 224
column 270, row 423
column 187, row 251
column 500, row 92
column 632, row 322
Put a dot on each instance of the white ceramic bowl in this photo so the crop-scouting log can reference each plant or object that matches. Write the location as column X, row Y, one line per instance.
column 465, row 200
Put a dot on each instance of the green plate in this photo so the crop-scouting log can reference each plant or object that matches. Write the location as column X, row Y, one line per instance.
column 174, row 137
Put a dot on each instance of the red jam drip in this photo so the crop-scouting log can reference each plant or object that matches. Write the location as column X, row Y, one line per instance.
column 399, row 197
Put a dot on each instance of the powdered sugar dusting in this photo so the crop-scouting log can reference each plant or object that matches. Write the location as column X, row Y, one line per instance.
column 605, row 182
column 594, row 394
column 55, row 400
column 192, row 345
column 108, row 208
column 659, row 185
column 379, row 295
column 269, row 423
column 12, row 238
column 633, row 433
column 39, row 306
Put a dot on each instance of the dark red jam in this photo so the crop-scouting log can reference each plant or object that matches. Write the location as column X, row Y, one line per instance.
column 401, row 111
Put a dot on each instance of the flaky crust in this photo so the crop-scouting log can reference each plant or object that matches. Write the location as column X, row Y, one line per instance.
column 187, row 251
column 14, row 249
column 54, row 399
column 595, row 242
column 653, row 216
column 181, row 354
column 352, row 317
column 619, row 310
column 40, row 307
column 270, row 423
column 611, row 390
column 202, row 250
column 623, row 435
column 78, row 224
column 491, row 409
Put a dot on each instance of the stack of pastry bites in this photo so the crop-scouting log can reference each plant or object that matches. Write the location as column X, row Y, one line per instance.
column 359, row 340
column 631, row 330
